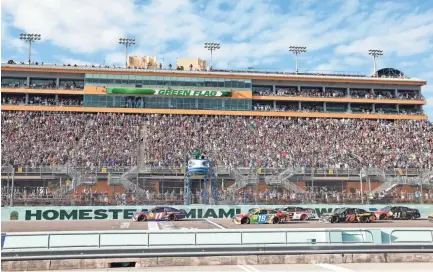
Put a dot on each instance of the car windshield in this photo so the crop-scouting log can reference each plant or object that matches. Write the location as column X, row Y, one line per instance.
column 340, row 210
column 386, row 209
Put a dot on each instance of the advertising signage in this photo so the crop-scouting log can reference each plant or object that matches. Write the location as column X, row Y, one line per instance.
column 168, row 92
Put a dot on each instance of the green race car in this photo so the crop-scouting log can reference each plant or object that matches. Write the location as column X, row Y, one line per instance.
column 262, row 216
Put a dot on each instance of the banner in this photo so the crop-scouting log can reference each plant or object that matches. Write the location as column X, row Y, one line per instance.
column 192, row 211
column 167, row 92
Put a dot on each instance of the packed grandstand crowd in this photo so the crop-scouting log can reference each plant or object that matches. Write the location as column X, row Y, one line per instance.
column 111, row 139
column 336, row 93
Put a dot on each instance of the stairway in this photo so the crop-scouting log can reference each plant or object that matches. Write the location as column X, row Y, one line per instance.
column 283, row 179
column 385, row 187
column 214, row 184
column 377, row 172
column 124, row 180
column 427, row 177
column 79, row 178
column 141, row 147
column 241, row 181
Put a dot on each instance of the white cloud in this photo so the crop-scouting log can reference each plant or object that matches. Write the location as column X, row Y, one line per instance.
column 72, row 61
column 10, row 41
column 393, row 29
column 251, row 32
column 80, row 25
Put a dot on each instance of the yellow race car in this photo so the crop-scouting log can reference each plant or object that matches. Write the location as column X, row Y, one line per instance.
column 430, row 217
column 262, row 216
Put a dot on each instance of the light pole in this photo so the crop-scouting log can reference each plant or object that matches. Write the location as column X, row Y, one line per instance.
column 297, row 50
column 375, row 53
column 127, row 42
column 211, row 47
column 30, row 37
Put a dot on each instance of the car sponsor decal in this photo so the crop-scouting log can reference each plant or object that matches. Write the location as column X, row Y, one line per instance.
column 3, row 239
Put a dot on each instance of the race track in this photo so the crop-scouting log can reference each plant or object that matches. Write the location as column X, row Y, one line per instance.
column 116, row 225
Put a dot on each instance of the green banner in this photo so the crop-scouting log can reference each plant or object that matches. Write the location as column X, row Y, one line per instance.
column 167, row 92
column 38, row 213
column 129, row 91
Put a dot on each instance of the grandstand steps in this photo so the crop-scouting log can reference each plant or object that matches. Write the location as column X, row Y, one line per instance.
column 124, row 180
column 283, row 180
column 241, row 180
column 214, row 198
column 81, row 141
column 141, row 148
column 79, row 178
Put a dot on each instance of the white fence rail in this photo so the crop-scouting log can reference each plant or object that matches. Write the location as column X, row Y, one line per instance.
column 218, row 238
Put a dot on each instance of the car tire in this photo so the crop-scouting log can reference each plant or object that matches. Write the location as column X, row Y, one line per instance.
column 335, row 219
column 383, row 217
column 245, row 221
column 276, row 220
column 304, row 217
column 364, row 219
column 409, row 217
column 171, row 217
column 142, row 218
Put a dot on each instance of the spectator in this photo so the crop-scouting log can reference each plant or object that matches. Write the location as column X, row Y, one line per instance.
column 111, row 139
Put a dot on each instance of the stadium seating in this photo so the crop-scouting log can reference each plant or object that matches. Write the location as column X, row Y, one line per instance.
column 43, row 138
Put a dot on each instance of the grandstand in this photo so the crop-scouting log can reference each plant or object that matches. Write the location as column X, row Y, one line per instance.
column 87, row 134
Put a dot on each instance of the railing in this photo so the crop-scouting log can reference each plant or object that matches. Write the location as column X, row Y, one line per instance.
column 283, row 179
column 186, row 238
column 221, row 169
column 411, row 236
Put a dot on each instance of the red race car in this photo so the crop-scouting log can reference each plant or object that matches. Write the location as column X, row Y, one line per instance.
column 381, row 215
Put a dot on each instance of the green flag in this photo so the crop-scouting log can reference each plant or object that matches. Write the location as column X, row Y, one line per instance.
column 196, row 154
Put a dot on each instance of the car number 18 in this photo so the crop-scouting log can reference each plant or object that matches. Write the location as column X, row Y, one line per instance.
column 263, row 218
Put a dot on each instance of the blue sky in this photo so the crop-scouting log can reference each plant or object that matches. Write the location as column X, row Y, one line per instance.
column 252, row 33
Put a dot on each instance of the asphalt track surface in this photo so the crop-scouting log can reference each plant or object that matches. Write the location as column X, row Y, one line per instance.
column 203, row 224
column 351, row 267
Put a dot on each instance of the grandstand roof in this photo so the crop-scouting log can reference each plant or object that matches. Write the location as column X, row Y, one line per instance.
column 389, row 72
column 247, row 74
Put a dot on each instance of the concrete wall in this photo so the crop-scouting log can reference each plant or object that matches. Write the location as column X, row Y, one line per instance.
column 218, row 260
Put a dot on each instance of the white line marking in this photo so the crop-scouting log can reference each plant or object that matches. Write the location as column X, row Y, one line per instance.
column 334, row 268
column 252, row 268
column 153, row 226
column 215, row 224
column 244, row 268
column 165, row 225
column 125, row 225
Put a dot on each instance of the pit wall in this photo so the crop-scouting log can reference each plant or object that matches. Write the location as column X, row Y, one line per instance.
column 35, row 213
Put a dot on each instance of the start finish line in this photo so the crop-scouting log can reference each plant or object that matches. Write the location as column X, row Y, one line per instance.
column 38, row 213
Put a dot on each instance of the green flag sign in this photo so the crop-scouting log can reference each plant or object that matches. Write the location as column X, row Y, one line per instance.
column 167, row 92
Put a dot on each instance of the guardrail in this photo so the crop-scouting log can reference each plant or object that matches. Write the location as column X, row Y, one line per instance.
column 188, row 238
column 78, row 245
column 195, row 238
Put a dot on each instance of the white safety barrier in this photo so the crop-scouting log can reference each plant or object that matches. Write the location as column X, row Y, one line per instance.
column 198, row 238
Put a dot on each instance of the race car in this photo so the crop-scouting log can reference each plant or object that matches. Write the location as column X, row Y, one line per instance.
column 430, row 217
column 352, row 215
column 159, row 214
column 380, row 214
column 401, row 212
column 299, row 213
column 262, row 216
